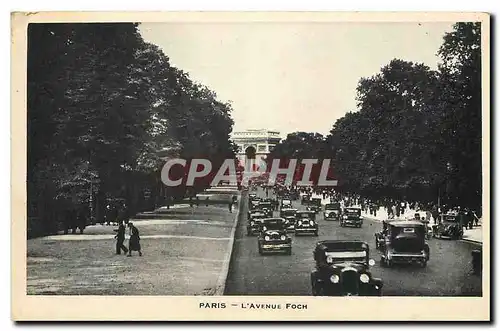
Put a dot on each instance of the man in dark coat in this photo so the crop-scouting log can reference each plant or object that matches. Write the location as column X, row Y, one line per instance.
column 134, row 241
column 120, row 238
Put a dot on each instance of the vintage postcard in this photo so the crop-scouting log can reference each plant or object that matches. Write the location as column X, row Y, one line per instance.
column 250, row 166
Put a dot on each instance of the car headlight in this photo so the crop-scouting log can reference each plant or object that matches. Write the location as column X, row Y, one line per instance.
column 252, row 223
column 300, row 223
column 345, row 217
column 266, row 238
column 311, row 222
column 364, row 278
column 334, row 279
column 264, row 228
column 282, row 237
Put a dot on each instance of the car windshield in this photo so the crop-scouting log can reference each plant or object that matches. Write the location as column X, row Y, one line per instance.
column 343, row 256
column 306, row 215
column 332, row 206
column 450, row 218
column 272, row 225
column 286, row 202
column 353, row 211
column 265, row 205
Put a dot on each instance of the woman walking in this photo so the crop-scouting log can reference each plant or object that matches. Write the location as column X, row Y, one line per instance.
column 134, row 241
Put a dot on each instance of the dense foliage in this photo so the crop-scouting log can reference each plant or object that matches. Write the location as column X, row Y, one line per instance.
column 416, row 134
column 103, row 107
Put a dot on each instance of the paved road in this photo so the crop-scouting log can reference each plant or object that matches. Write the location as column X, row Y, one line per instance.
column 448, row 272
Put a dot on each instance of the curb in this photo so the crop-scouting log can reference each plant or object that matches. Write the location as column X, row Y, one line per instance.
column 472, row 241
column 221, row 281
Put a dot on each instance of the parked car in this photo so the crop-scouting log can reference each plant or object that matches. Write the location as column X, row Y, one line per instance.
column 273, row 236
column 306, row 223
column 342, row 269
column 405, row 243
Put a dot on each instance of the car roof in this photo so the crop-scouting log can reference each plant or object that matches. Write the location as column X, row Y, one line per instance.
column 352, row 244
column 402, row 223
column 272, row 219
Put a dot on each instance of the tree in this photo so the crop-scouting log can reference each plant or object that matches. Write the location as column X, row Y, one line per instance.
column 385, row 147
column 461, row 121
column 102, row 104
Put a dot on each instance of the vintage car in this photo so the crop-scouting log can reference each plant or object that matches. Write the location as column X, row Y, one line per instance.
column 351, row 216
column 266, row 207
column 342, row 269
column 252, row 196
column 332, row 211
column 314, row 205
column 294, row 194
column 289, row 215
column 305, row 199
column 254, row 220
column 273, row 236
column 285, row 204
column 450, row 226
column 253, row 202
column 306, row 223
column 405, row 243
column 270, row 201
column 380, row 236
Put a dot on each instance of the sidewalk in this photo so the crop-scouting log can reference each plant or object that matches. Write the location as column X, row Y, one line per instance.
column 474, row 235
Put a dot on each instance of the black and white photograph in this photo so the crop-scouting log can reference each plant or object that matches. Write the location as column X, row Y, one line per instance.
column 256, row 163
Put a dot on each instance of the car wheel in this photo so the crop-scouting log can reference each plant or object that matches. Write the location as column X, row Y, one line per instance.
column 423, row 263
column 261, row 252
column 316, row 233
column 382, row 261
column 289, row 251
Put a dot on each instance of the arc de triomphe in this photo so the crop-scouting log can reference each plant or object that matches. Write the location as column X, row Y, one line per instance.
column 255, row 143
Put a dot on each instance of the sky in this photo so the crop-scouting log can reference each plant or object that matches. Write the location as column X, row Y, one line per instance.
column 291, row 76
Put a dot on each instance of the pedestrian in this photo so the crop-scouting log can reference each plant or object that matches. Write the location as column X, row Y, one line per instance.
column 134, row 243
column 233, row 201
column 120, row 238
column 476, row 219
